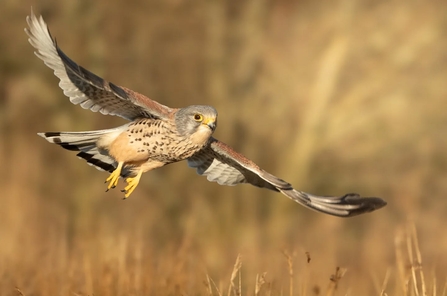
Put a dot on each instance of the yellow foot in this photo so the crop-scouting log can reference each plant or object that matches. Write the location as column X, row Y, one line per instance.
column 114, row 177
column 132, row 183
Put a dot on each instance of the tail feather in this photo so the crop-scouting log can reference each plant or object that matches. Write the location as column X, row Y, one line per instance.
column 100, row 161
column 74, row 141
column 85, row 143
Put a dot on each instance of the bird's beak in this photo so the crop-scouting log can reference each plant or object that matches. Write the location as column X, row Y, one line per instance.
column 210, row 122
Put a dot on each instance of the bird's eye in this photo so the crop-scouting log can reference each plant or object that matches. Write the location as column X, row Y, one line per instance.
column 198, row 117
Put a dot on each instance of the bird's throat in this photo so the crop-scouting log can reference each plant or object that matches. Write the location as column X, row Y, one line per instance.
column 201, row 136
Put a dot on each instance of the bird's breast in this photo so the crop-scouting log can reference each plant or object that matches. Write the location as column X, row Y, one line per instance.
column 158, row 140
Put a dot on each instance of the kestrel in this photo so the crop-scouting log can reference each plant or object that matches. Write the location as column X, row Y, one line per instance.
column 158, row 135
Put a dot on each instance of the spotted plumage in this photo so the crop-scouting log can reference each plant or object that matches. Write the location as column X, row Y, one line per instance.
column 158, row 135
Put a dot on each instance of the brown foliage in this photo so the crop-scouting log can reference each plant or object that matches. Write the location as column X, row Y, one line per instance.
column 332, row 96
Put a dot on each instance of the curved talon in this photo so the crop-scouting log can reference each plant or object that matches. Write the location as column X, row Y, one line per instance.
column 132, row 183
column 114, row 176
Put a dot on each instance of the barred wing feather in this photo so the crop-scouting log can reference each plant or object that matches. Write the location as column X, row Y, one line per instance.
column 221, row 164
column 85, row 88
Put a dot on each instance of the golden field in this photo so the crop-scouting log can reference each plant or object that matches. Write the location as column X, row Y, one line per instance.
column 332, row 96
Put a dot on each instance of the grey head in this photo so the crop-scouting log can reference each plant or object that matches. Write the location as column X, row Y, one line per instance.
column 192, row 118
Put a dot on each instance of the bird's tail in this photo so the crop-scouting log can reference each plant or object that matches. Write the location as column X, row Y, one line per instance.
column 86, row 144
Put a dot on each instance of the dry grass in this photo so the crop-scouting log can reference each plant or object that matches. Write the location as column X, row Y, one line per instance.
column 332, row 96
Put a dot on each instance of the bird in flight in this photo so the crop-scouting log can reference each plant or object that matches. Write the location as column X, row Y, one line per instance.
column 158, row 135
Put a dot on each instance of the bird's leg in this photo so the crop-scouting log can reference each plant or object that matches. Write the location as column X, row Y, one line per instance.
column 132, row 184
column 114, row 176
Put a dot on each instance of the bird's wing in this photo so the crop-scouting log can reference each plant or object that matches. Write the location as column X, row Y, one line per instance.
column 85, row 88
column 221, row 164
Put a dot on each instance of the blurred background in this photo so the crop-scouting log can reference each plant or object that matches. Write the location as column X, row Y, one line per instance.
column 332, row 96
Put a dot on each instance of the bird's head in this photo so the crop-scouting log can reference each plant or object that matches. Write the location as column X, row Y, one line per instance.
column 196, row 119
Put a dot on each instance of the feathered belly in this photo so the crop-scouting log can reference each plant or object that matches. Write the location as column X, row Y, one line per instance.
column 156, row 155
column 151, row 141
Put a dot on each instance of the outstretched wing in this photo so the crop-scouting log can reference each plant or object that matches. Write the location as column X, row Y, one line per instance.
column 221, row 164
column 85, row 88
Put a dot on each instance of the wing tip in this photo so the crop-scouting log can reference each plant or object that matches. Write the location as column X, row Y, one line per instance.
column 348, row 205
column 354, row 204
column 366, row 204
